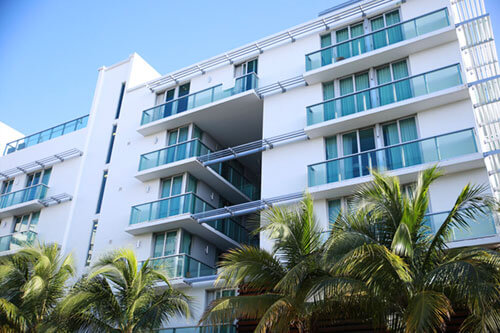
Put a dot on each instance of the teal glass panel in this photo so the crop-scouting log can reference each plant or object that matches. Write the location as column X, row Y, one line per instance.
column 384, row 32
column 386, row 92
column 170, row 243
column 333, row 211
column 30, row 193
column 411, row 151
column 200, row 98
column 433, row 149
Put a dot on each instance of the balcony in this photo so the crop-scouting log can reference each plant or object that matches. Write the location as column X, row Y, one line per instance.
column 209, row 109
column 176, row 212
column 379, row 47
column 22, row 201
column 456, row 151
column 386, row 102
column 182, row 266
column 229, row 328
column 48, row 134
column 181, row 157
column 480, row 230
column 15, row 241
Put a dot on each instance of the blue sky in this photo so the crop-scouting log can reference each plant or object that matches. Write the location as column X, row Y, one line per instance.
column 50, row 50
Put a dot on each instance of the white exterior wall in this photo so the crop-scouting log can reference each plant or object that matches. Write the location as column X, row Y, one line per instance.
column 283, row 169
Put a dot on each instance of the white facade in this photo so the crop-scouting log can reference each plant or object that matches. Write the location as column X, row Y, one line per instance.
column 247, row 143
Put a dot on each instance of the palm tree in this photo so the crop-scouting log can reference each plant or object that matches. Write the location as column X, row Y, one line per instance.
column 415, row 280
column 279, row 279
column 32, row 283
column 119, row 296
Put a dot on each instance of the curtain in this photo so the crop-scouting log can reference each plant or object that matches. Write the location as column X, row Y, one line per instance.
column 412, row 152
column 392, row 155
column 347, row 103
column 333, row 211
column 367, row 142
column 175, row 203
column 386, row 93
column 172, row 140
column 196, row 147
column 326, row 55
column 328, row 108
column 403, row 88
column 192, row 184
column 358, row 45
column 378, row 39
column 186, row 242
column 351, row 164
column 158, row 246
column 343, row 50
column 362, row 99
column 170, row 243
column 332, row 172
column 395, row 34
column 181, row 149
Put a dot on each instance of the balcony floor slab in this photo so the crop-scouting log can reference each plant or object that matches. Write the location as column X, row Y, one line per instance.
column 21, row 208
column 186, row 222
column 406, row 175
column 388, row 112
column 197, row 169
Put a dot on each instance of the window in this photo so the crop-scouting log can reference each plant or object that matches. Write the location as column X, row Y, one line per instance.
column 401, row 131
column 111, row 143
column 120, row 100
column 165, row 244
column 247, row 67
column 186, row 242
column 334, row 207
column 383, row 38
column 394, row 92
column 171, row 94
column 91, row 243
column 175, row 137
column 358, row 102
column 346, row 144
column 26, row 222
column 101, row 192
column 212, row 295
column 171, row 188
column 6, row 186
column 38, row 177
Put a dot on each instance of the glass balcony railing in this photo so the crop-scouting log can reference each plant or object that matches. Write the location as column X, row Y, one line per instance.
column 17, row 240
column 229, row 328
column 396, row 91
column 182, row 266
column 482, row 226
column 171, row 206
column 239, row 181
column 232, row 229
column 433, row 149
column 188, row 102
column 173, row 153
column 27, row 194
column 48, row 134
column 378, row 39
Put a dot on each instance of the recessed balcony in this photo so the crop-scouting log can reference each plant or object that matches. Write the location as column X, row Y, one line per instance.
column 379, row 47
column 176, row 212
column 23, row 201
column 213, row 110
column 182, row 157
column 455, row 152
column 386, row 102
column 15, row 241
column 181, row 266
column 481, row 230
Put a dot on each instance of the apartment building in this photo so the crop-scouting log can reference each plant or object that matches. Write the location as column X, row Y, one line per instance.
column 176, row 166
